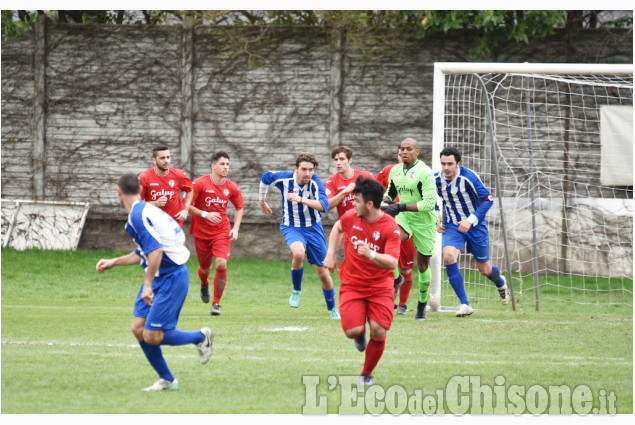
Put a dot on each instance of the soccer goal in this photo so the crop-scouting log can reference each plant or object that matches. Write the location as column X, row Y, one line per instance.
column 554, row 145
column 42, row 224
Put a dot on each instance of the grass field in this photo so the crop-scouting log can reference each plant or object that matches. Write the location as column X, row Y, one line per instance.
column 67, row 347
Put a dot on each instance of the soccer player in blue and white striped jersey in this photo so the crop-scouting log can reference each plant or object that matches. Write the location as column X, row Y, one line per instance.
column 465, row 203
column 304, row 201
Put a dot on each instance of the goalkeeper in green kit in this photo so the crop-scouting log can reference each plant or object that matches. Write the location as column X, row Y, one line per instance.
column 413, row 182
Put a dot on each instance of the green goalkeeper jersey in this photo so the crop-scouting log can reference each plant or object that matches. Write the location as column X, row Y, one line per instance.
column 414, row 185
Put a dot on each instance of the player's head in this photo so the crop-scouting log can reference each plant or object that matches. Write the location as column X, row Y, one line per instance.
column 368, row 195
column 161, row 158
column 450, row 162
column 409, row 151
column 342, row 158
column 220, row 163
column 128, row 184
column 305, row 165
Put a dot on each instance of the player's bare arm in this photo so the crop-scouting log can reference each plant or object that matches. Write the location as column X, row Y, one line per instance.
column 238, row 218
column 264, row 207
column 311, row 203
column 125, row 260
column 154, row 261
column 330, row 262
column 182, row 215
column 335, row 200
column 384, row 261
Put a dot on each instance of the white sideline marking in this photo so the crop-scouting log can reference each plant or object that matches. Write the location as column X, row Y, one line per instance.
column 287, row 329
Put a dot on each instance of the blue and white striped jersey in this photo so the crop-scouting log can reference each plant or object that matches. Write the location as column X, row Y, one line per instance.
column 151, row 228
column 463, row 196
column 293, row 213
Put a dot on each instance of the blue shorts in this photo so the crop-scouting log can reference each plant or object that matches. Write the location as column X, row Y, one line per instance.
column 170, row 291
column 312, row 239
column 477, row 240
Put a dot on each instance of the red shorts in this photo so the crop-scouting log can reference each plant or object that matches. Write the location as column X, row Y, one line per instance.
column 206, row 249
column 407, row 254
column 356, row 306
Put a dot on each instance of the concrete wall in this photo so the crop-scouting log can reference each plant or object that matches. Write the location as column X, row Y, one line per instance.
column 82, row 104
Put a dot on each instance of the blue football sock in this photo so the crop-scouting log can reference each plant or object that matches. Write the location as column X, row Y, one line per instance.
column 456, row 280
column 155, row 357
column 329, row 296
column 495, row 276
column 296, row 278
column 177, row 337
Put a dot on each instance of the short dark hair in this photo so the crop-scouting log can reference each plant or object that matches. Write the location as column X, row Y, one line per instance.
column 342, row 149
column 307, row 157
column 218, row 155
column 370, row 189
column 451, row 151
column 129, row 184
column 159, row 148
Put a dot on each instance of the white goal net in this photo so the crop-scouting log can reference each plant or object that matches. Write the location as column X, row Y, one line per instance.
column 561, row 138
column 42, row 224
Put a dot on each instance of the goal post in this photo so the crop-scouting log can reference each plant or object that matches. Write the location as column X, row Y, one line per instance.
column 553, row 144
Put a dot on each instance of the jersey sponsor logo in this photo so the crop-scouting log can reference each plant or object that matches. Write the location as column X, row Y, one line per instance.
column 171, row 183
column 209, row 190
column 209, row 201
column 403, row 189
column 375, row 235
column 348, row 199
column 356, row 227
column 355, row 241
column 154, row 184
column 155, row 194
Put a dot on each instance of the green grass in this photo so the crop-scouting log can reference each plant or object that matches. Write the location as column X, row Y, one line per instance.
column 67, row 346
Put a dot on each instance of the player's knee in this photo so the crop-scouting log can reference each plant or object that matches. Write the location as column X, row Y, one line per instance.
column 377, row 332
column 221, row 263
column 152, row 337
column 449, row 258
column 354, row 332
column 137, row 331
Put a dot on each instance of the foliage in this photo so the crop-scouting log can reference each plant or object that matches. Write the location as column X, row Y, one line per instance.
column 491, row 26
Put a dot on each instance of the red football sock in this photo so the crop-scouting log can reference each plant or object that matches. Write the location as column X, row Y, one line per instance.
column 220, row 278
column 404, row 291
column 204, row 277
column 374, row 350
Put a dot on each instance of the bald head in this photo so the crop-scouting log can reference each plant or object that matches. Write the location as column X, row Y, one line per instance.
column 409, row 151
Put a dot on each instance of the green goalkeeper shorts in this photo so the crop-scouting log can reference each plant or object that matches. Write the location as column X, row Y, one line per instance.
column 424, row 233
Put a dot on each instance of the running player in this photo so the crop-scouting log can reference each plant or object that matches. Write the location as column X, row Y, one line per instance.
column 406, row 252
column 161, row 185
column 210, row 226
column 304, row 201
column 413, row 183
column 162, row 253
column 372, row 252
column 466, row 201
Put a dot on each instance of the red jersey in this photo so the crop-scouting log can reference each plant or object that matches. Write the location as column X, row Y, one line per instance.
column 154, row 186
column 212, row 197
column 335, row 184
column 382, row 235
column 384, row 175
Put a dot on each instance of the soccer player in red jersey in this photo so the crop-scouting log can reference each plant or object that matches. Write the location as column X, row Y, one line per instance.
column 366, row 292
column 210, row 226
column 161, row 185
column 406, row 254
column 339, row 186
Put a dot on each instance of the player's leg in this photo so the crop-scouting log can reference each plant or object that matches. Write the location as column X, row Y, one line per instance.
column 424, row 277
column 424, row 238
column 406, row 265
column 452, row 242
column 220, row 250
column 296, row 243
column 478, row 246
column 170, row 292
column 204, row 256
column 380, row 317
column 316, row 249
column 353, row 321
